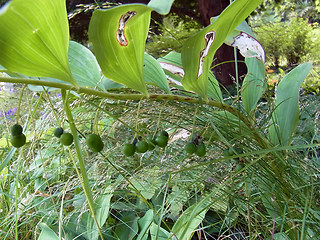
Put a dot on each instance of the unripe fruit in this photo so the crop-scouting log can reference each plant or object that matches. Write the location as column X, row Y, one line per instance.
column 18, row 141
column 58, row 132
column 201, row 150
column 163, row 133
column 94, row 142
column 151, row 142
column 142, row 146
column 190, row 148
column 66, row 139
column 161, row 141
column 128, row 149
column 16, row 130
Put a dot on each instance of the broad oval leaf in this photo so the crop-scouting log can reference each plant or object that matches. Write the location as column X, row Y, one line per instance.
column 198, row 51
column 190, row 219
column 127, row 228
column 84, row 66
column 47, row 233
column 154, row 74
column 158, row 233
column 34, row 38
column 118, row 36
column 286, row 114
column 254, row 84
column 145, row 224
column 102, row 206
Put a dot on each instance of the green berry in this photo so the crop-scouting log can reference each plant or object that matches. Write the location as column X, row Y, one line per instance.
column 142, row 146
column 94, row 142
column 16, row 130
column 162, row 141
column 190, row 148
column 163, row 133
column 128, row 149
column 66, row 139
column 201, row 150
column 18, row 141
column 151, row 142
column 58, row 132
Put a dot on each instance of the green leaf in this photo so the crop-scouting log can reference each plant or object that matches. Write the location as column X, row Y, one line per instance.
column 83, row 64
column 198, row 51
column 254, row 84
column 161, row 6
column 286, row 114
column 146, row 188
column 106, row 84
column 47, row 233
column 84, row 69
column 34, row 38
column 118, row 36
column 127, row 228
column 158, row 233
column 154, row 74
column 144, row 224
column 173, row 68
column 102, row 213
column 214, row 90
column 190, row 219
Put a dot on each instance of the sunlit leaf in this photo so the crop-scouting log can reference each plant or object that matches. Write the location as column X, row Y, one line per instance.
column 198, row 51
column 118, row 36
column 254, row 84
column 34, row 38
column 154, row 74
column 286, row 114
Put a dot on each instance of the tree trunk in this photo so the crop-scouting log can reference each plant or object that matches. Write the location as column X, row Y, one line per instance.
column 225, row 73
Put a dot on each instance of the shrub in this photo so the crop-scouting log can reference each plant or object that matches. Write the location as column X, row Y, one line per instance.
column 285, row 42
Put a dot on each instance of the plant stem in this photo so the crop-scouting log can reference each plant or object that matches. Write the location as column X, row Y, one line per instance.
column 84, row 181
column 154, row 97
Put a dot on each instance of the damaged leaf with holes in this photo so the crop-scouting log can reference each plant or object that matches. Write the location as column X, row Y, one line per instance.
column 118, row 36
column 201, row 47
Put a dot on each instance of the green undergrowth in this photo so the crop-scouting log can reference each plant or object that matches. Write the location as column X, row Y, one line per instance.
column 247, row 198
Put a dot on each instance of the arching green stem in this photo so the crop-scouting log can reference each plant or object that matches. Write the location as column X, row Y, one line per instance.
column 155, row 97
column 84, row 177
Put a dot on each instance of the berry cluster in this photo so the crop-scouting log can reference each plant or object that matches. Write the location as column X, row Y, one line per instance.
column 142, row 146
column 196, row 146
column 17, row 138
column 65, row 138
column 93, row 141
